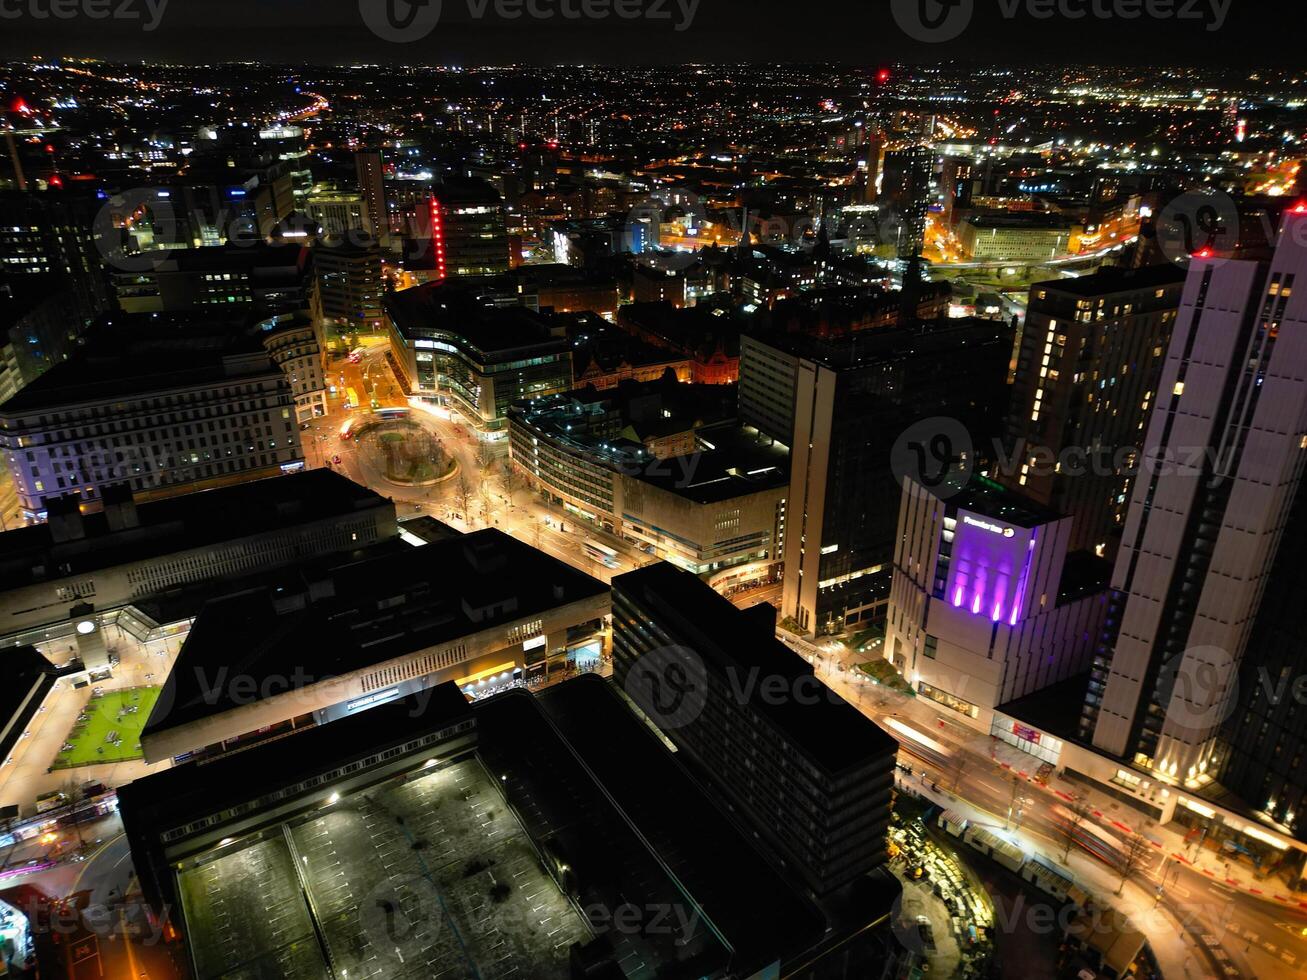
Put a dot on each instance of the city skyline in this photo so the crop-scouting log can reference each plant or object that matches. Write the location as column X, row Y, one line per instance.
column 652, row 488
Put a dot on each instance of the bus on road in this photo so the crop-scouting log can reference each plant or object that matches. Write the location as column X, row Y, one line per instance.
column 392, row 413
column 351, row 398
column 601, row 553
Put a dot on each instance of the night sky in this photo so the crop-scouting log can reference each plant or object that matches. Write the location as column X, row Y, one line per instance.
column 734, row 31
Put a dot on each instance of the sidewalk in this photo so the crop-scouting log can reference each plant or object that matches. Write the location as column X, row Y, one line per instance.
column 1176, row 954
column 1168, row 839
column 1171, row 843
column 27, row 773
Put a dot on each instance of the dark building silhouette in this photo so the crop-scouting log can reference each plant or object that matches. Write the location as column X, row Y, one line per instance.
column 798, row 766
column 840, row 406
column 1088, row 366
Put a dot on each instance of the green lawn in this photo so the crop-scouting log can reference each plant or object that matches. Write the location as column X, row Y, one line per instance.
column 87, row 743
column 883, row 672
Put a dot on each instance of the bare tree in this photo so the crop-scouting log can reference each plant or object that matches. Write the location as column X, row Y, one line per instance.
column 462, row 494
column 512, row 480
column 73, row 790
column 1134, row 858
column 1079, row 810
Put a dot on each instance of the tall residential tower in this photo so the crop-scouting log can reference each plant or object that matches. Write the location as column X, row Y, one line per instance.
column 1090, row 356
column 1223, row 457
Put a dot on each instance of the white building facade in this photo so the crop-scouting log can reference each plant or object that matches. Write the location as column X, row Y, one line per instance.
column 979, row 612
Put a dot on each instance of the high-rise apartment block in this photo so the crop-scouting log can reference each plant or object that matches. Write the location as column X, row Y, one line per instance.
column 1087, row 372
column 1224, row 453
column 370, row 169
column 1263, row 745
column 840, row 406
column 468, row 231
column 906, row 184
column 348, row 287
column 801, row 768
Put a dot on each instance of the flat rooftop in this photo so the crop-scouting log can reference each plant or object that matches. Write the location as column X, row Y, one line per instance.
column 328, row 619
column 419, row 873
column 181, row 523
column 440, row 307
column 1055, row 709
column 739, row 463
column 181, row 794
column 984, row 496
column 243, row 257
column 831, row 733
column 871, row 349
column 401, row 880
column 1084, row 573
column 706, row 854
column 1021, row 220
column 1114, row 279
column 130, row 355
column 567, row 795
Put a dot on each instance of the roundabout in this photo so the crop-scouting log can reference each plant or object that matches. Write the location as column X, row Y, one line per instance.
column 403, row 452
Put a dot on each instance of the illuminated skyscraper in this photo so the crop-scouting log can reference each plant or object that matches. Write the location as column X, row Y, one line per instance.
column 372, row 186
column 1224, row 454
column 1087, row 371
column 468, row 232
column 986, row 604
column 906, row 184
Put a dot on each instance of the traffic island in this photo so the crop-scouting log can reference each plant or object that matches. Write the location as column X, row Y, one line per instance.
column 405, row 453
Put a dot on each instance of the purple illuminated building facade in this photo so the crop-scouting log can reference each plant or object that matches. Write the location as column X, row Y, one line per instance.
column 986, row 604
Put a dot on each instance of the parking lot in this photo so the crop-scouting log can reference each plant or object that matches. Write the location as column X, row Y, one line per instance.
column 424, row 876
column 247, row 918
